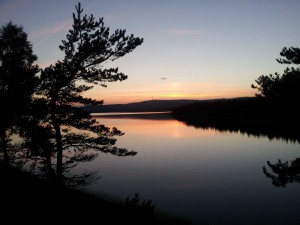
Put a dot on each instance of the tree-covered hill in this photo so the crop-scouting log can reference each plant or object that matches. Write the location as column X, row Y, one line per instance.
column 144, row 106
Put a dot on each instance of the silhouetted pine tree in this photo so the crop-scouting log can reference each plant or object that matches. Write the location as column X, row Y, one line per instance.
column 79, row 137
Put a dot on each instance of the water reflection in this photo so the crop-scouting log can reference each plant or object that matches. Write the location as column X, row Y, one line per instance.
column 198, row 173
column 30, row 145
column 272, row 131
column 283, row 172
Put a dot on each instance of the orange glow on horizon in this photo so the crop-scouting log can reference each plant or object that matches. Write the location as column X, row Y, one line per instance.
column 118, row 93
column 174, row 96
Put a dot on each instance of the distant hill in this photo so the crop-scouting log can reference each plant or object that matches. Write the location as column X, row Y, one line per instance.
column 145, row 106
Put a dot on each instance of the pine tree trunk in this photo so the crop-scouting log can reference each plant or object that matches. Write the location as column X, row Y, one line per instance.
column 58, row 137
column 59, row 149
column 4, row 145
column 50, row 170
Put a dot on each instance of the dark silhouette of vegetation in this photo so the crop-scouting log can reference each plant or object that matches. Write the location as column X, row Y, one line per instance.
column 87, row 46
column 283, row 172
column 273, row 112
column 31, row 200
column 283, row 89
column 291, row 55
column 249, row 116
column 57, row 134
column 34, row 148
column 40, row 123
column 18, row 80
column 236, row 107
column 144, row 106
column 146, row 207
column 141, row 115
column 39, row 109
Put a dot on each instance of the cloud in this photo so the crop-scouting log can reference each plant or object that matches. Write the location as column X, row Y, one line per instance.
column 41, row 35
column 186, row 32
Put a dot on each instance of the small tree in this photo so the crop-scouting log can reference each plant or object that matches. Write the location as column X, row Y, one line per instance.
column 87, row 46
column 18, row 79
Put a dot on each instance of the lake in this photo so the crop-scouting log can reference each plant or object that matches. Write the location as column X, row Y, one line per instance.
column 204, row 175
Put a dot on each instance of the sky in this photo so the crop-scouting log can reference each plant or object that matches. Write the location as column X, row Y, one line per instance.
column 192, row 49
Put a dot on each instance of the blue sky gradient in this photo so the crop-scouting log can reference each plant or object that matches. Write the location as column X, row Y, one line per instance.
column 193, row 49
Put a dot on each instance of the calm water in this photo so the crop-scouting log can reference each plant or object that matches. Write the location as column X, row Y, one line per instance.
column 207, row 176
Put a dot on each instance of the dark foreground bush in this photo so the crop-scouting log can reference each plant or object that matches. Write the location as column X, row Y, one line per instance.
column 27, row 199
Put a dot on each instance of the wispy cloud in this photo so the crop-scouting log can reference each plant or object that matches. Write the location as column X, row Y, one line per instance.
column 41, row 35
column 186, row 32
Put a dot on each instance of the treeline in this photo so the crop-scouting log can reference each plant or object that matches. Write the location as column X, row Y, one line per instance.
column 252, row 108
column 273, row 111
column 251, row 116
column 144, row 106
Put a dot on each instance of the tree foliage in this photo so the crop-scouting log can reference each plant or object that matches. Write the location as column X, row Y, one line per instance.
column 79, row 137
column 291, row 56
column 18, row 79
column 283, row 87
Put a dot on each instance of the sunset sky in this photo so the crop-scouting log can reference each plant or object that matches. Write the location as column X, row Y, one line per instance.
column 193, row 49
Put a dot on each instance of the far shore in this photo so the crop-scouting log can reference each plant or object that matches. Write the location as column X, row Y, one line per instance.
column 164, row 115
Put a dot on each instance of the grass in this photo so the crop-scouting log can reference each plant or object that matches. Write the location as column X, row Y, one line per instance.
column 30, row 200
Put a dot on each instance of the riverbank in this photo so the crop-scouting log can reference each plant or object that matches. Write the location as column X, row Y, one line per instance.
column 28, row 199
column 249, row 115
